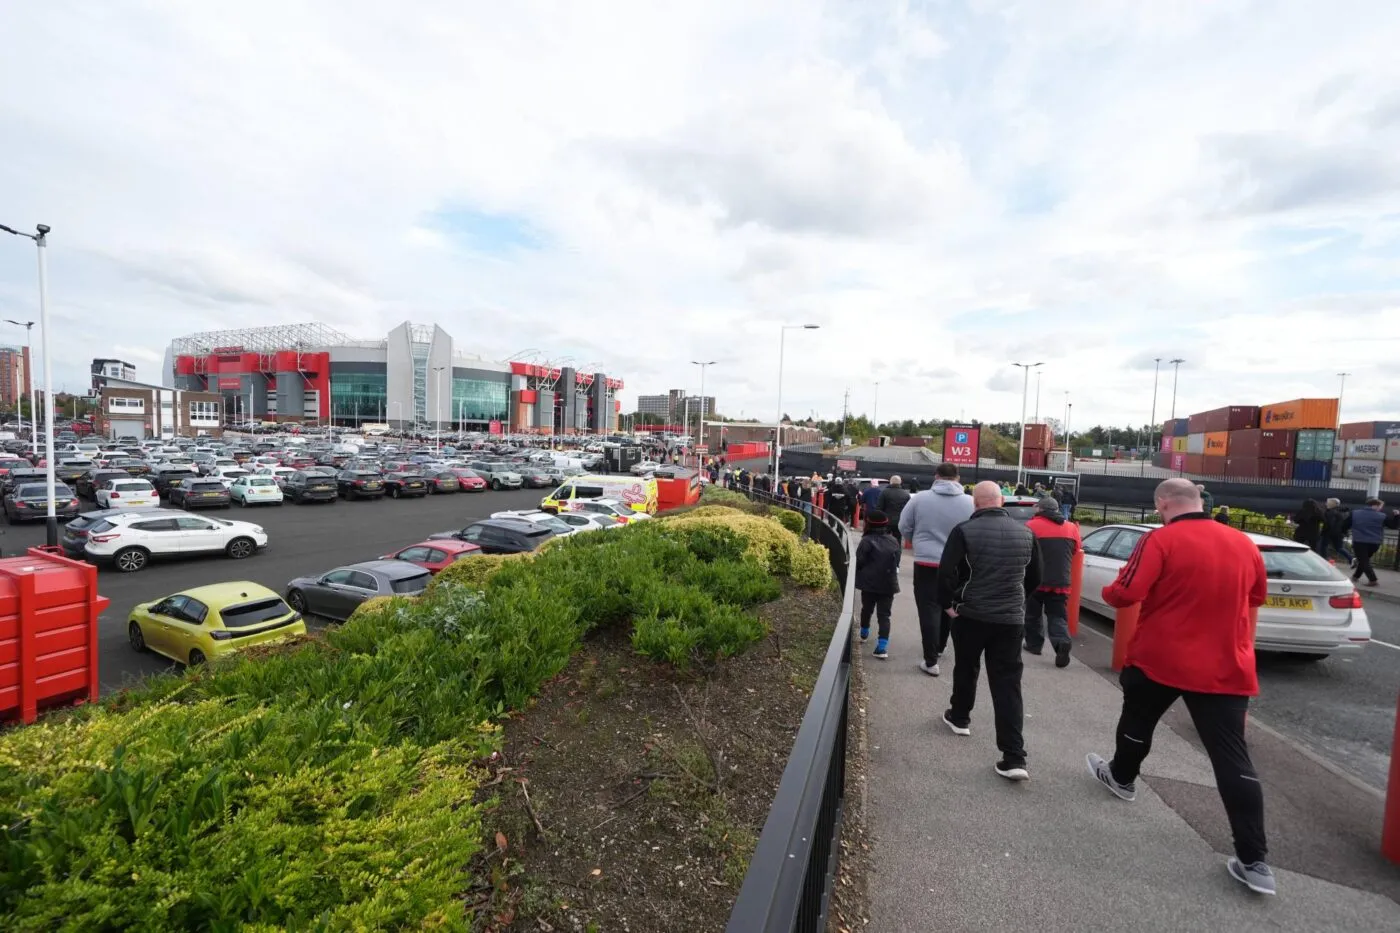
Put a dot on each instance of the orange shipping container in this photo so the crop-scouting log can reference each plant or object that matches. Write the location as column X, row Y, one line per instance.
column 1391, row 473
column 1179, row 444
column 1217, row 443
column 1300, row 413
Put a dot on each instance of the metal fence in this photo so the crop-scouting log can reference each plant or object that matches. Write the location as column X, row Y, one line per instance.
column 788, row 885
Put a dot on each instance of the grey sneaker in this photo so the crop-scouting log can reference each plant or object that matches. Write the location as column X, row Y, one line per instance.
column 957, row 729
column 1258, row 877
column 929, row 669
column 1101, row 771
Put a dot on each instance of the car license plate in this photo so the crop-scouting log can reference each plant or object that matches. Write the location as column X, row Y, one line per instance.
column 1299, row 603
column 320, row 489
column 212, row 495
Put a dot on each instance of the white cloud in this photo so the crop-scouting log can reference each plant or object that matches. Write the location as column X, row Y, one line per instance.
column 943, row 191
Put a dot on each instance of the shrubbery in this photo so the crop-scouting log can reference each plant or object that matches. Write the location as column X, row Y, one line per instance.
column 790, row 520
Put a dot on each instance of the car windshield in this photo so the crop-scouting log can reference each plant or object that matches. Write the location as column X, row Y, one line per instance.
column 1300, row 563
column 414, row 584
column 262, row 610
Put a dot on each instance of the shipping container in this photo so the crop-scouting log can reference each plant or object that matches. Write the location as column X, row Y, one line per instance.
column 1217, row 443
column 1316, row 444
column 1392, row 449
column 1166, row 445
column 1300, row 413
column 1168, row 428
column 1363, row 469
column 1195, row 443
column 1038, row 437
column 1196, row 424
column 1191, row 463
column 1179, row 445
column 1162, row 458
column 1178, row 462
column 909, row 441
column 1230, row 418
column 1369, row 449
column 1337, row 464
column 1391, row 473
column 1258, row 468
column 1312, row 471
column 1359, row 430
column 1259, row 444
column 1181, row 427
column 1034, row 459
column 1213, row 466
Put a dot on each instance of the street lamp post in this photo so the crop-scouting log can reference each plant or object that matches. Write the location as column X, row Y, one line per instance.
column 1341, row 392
column 700, row 442
column 1176, row 371
column 41, row 240
column 437, row 408
column 29, row 372
column 1038, row 374
column 1025, row 390
column 778, row 435
column 875, row 413
column 1152, row 422
column 1069, row 455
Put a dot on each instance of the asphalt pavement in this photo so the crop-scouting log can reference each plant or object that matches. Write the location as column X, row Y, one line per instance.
column 302, row 539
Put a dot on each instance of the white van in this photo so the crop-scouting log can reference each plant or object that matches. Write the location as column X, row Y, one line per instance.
column 636, row 491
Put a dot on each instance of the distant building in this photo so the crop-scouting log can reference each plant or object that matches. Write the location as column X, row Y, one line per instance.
column 14, row 375
column 676, row 407
column 115, row 369
column 658, row 405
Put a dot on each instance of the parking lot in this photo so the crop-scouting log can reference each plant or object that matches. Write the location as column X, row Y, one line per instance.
column 302, row 539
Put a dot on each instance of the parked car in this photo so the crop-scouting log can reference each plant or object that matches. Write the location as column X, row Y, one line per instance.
column 132, row 465
column 209, row 467
column 543, row 519
column 1313, row 610
column 165, row 480
column 433, row 556
column 354, row 484
column 497, row 475
column 588, row 521
column 1021, row 508
column 644, row 467
column 255, row 490
column 74, row 537
column 69, row 469
column 279, row 474
column 194, row 625
column 405, row 484
column 125, row 491
column 501, row 535
column 130, row 541
column 18, row 477
column 615, row 509
column 86, row 485
column 310, row 486
column 229, row 475
column 443, row 481
column 537, row 477
column 196, row 493
column 30, row 502
column 336, row 594
column 469, row 480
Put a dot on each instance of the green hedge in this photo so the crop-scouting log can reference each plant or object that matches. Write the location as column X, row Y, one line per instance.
column 329, row 783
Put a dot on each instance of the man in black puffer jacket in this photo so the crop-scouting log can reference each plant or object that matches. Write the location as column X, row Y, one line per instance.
column 989, row 565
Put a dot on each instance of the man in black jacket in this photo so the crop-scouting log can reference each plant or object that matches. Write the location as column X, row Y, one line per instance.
column 877, row 578
column 893, row 499
column 989, row 565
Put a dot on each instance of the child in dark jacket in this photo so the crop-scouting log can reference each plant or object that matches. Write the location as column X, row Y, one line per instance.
column 877, row 578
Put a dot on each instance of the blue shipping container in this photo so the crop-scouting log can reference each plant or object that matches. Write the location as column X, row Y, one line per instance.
column 1312, row 471
column 1181, row 427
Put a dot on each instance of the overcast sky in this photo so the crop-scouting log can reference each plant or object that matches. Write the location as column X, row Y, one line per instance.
column 945, row 188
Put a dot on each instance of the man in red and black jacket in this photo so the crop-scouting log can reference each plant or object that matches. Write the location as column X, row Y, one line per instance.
column 1058, row 541
column 1198, row 583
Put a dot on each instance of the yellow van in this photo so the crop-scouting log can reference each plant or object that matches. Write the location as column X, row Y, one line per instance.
column 635, row 491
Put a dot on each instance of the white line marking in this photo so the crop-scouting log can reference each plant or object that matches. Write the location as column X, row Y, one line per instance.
column 1377, row 641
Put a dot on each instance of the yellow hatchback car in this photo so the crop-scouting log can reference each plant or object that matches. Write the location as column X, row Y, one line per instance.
column 206, row 622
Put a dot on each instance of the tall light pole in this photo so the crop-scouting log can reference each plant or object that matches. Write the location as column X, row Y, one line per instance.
column 875, row 415
column 1176, row 371
column 1068, row 452
column 778, row 435
column 1152, row 422
column 1341, row 392
column 29, row 371
column 437, row 413
column 41, row 240
column 1038, row 374
column 1025, row 389
column 700, row 442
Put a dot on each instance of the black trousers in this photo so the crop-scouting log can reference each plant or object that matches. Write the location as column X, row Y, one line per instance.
column 1001, row 644
column 1364, row 553
column 878, row 604
column 1219, row 720
column 1043, row 606
column 933, row 623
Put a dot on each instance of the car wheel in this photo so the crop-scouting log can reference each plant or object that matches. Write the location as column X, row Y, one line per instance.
column 297, row 600
column 1305, row 658
column 196, row 658
column 394, row 493
column 496, row 485
column 131, row 559
column 240, row 548
column 134, row 635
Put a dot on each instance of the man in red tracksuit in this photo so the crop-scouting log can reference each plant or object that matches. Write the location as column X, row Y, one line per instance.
column 1058, row 541
column 1197, row 582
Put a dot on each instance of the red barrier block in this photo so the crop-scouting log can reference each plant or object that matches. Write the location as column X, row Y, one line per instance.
column 1076, row 592
column 1390, row 830
column 1124, row 627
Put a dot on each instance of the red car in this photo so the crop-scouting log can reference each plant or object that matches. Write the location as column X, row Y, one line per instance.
column 435, row 555
column 470, row 481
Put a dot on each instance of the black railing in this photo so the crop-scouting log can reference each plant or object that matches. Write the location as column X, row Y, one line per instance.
column 787, row 888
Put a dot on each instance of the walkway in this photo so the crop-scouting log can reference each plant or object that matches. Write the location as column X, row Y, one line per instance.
column 957, row 848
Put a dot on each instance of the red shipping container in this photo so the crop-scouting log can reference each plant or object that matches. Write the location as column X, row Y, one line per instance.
column 1364, row 430
column 1275, row 469
column 48, row 632
column 1391, row 472
column 1035, row 459
column 1196, row 424
column 1242, row 467
column 1191, row 463
column 1178, row 461
column 1262, row 444
column 1166, row 444
column 1231, row 418
column 910, row 441
column 1038, row 437
column 1213, row 466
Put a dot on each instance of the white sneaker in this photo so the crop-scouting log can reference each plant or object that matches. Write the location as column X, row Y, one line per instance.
column 957, row 729
column 929, row 669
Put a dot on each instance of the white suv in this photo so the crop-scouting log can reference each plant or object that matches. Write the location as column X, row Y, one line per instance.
column 130, row 541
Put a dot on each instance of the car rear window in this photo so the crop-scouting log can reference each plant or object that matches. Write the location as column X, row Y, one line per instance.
column 132, row 487
column 37, row 491
column 414, row 584
column 262, row 610
column 263, row 481
column 1297, row 564
column 606, row 520
column 1022, row 513
column 207, row 487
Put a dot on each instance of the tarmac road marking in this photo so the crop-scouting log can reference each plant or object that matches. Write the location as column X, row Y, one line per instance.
column 1377, row 641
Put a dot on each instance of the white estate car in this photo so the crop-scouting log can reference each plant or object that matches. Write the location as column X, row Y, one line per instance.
column 615, row 509
column 278, row 473
column 1313, row 610
column 255, row 490
column 125, row 493
column 229, row 475
column 559, row 524
column 132, row 540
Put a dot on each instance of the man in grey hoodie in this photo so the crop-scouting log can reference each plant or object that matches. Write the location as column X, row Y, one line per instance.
column 927, row 520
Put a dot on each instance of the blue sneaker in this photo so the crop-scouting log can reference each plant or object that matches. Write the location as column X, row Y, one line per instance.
column 882, row 648
column 864, row 634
